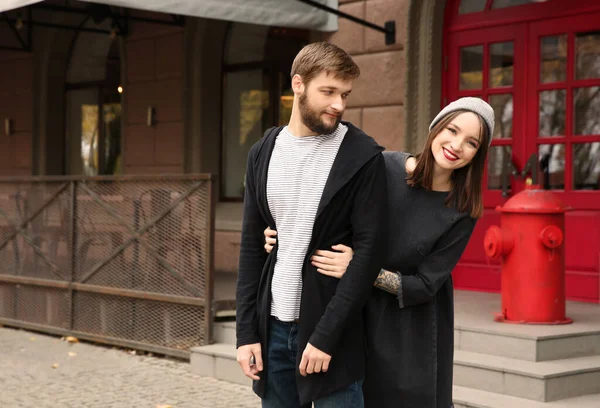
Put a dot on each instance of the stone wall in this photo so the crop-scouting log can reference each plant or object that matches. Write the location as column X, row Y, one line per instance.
column 377, row 101
column 16, row 104
column 154, row 78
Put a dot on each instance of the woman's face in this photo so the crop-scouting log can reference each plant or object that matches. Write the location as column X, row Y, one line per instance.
column 456, row 145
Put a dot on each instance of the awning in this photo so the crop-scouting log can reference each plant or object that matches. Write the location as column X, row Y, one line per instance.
column 6, row 5
column 282, row 13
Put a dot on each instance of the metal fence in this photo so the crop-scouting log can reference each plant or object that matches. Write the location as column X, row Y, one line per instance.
column 120, row 260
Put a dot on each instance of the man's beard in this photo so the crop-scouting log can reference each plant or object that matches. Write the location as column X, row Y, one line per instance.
column 312, row 119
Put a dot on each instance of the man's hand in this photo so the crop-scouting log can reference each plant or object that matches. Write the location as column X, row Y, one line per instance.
column 314, row 361
column 244, row 356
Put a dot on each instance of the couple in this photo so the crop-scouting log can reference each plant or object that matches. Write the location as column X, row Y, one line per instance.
column 349, row 303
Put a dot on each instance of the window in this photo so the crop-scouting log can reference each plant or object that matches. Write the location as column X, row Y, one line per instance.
column 93, row 137
column 256, row 93
column 475, row 6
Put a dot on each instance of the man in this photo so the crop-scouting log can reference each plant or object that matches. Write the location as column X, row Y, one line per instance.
column 318, row 182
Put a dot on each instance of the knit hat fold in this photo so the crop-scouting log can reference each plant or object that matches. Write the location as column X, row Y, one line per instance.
column 475, row 105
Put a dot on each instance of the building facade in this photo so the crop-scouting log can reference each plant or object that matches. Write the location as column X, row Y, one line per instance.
column 171, row 95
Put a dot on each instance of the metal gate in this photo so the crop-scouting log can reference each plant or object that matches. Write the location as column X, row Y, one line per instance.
column 120, row 260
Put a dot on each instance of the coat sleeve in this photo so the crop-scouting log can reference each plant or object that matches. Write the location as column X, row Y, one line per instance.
column 354, row 289
column 434, row 270
column 252, row 260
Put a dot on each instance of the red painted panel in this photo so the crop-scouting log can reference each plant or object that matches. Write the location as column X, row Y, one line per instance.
column 582, row 232
column 583, row 287
column 477, row 277
column 475, row 251
column 524, row 26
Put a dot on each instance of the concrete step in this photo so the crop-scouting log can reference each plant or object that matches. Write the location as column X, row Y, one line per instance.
column 224, row 332
column 527, row 346
column 219, row 361
column 476, row 331
column 471, row 398
column 539, row 381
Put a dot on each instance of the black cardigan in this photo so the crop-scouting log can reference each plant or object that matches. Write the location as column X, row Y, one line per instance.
column 351, row 212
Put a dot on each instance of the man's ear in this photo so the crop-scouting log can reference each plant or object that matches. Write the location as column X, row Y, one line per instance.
column 297, row 85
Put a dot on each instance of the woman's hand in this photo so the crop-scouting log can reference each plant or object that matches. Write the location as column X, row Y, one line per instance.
column 270, row 239
column 333, row 264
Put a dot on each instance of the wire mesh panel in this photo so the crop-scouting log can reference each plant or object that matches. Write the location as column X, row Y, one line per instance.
column 126, row 258
column 156, row 323
column 34, row 229
column 147, row 236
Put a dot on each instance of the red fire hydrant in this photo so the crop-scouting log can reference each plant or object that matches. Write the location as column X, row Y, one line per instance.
column 530, row 242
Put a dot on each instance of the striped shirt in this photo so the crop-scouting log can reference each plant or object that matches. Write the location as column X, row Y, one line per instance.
column 297, row 174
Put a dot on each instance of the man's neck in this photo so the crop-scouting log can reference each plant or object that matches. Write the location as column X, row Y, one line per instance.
column 297, row 128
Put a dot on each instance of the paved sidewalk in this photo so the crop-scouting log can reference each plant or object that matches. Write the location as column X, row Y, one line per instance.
column 39, row 371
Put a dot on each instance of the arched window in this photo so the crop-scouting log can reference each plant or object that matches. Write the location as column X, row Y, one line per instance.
column 256, row 93
column 94, row 103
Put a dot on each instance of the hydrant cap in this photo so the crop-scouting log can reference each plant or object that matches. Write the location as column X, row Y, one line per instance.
column 534, row 200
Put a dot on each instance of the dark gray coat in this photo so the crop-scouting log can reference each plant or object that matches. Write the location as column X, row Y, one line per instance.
column 411, row 336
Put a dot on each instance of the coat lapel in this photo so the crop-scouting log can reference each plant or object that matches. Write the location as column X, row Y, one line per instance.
column 261, row 173
column 355, row 151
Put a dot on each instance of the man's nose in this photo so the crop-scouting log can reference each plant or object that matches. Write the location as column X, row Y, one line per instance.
column 338, row 106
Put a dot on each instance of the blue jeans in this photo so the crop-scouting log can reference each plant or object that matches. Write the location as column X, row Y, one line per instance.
column 281, row 388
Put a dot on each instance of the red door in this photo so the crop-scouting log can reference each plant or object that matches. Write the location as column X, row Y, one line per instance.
column 542, row 76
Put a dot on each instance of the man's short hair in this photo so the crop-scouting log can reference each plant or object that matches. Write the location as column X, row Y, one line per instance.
column 324, row 57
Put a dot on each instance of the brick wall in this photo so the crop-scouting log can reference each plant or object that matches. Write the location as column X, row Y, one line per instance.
column 154, row 77
column 376, row 103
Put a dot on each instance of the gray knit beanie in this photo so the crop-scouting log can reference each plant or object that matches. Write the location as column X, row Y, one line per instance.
column 475, row 105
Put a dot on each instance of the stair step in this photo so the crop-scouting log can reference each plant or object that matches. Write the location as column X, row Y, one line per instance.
column 224, row 332
column 219, row 361
column 526, row 346
column 471, row 398
column 539, row 381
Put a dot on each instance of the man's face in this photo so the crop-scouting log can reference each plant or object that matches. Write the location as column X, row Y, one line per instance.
column 323, row 102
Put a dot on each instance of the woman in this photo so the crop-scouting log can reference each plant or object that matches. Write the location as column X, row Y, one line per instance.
column 435, row 200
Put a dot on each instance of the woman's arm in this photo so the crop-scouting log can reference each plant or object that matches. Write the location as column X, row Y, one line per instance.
column 389, row 281
column 437, row 266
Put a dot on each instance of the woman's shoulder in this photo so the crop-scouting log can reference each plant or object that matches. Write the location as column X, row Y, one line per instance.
column 396, row 162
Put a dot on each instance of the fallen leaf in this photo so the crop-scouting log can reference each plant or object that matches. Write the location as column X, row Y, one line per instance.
column 72, row 339
column 71, row 354
column 163, row 406
column 55, row 365
column 32, row 338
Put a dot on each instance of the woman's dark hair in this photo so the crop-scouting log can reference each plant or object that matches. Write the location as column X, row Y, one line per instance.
column 466, row 194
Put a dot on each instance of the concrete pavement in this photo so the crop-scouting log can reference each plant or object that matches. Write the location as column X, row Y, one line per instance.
column 38, row 371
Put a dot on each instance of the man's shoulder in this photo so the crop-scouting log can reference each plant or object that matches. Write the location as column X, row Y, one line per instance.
column 268, row 137
column 361, row 138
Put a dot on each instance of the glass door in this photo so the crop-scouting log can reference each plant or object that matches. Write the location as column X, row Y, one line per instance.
column 490, row 64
